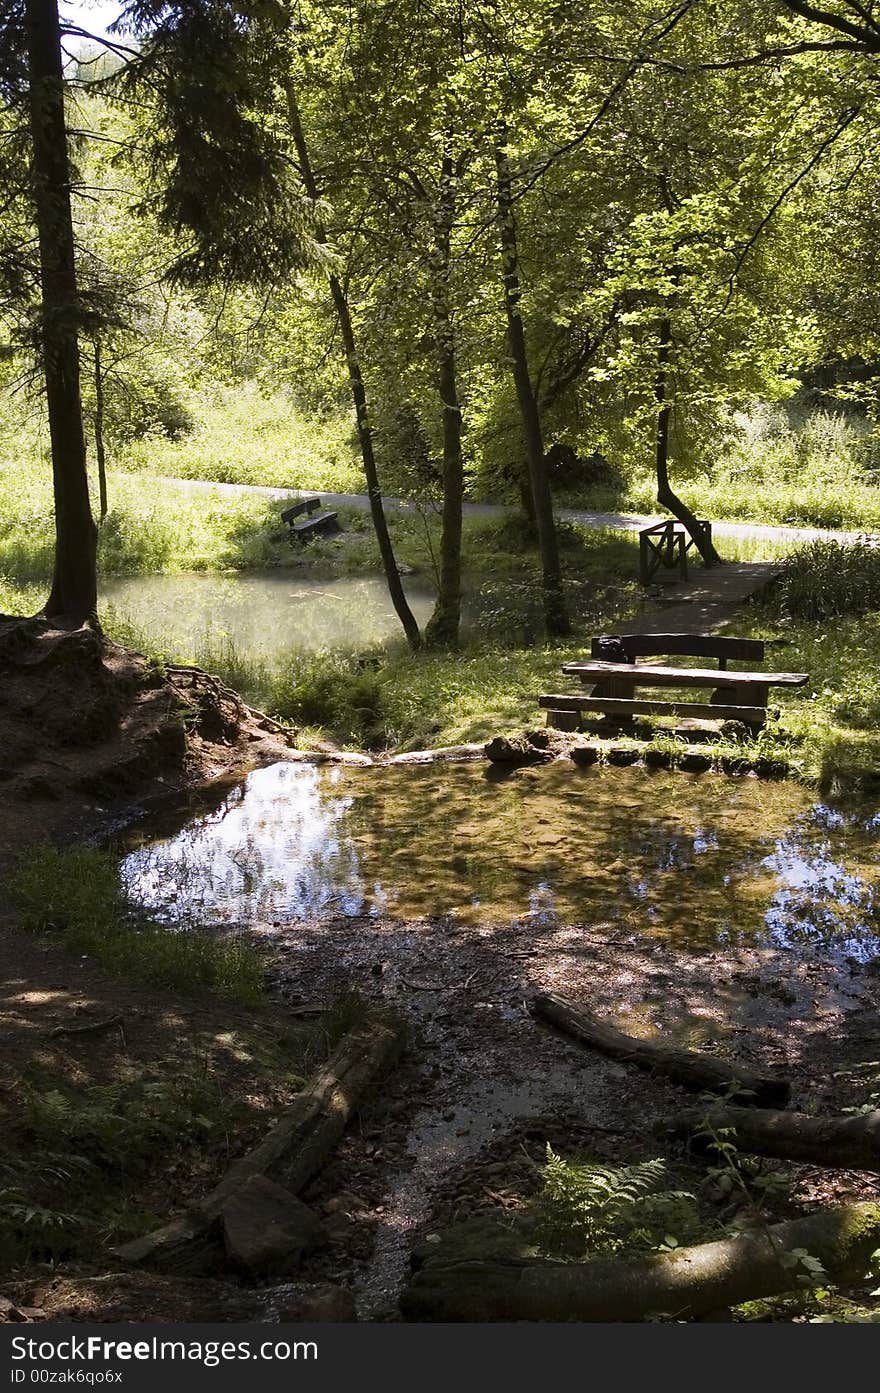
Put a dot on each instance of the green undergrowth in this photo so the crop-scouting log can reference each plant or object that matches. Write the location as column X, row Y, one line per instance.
column 823, row 619
column 570, row 1207
column 75, row 893
column 101, row 1157
column 789, row 467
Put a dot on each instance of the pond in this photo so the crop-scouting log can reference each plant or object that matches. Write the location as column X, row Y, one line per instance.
column 262, row 614
column 697, row 860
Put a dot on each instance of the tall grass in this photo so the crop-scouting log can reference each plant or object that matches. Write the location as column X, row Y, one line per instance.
column 75, row 892
column 151, row 526
column 824, row 579
column 804, row 468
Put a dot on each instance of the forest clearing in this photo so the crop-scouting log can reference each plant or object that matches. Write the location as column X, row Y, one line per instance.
column 439, row 663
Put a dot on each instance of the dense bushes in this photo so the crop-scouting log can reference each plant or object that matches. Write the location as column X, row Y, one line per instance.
column 824, row 579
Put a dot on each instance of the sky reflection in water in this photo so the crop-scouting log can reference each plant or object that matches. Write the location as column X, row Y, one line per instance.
column 701, row 861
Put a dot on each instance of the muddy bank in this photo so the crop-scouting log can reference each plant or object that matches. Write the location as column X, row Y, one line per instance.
column 86, row 726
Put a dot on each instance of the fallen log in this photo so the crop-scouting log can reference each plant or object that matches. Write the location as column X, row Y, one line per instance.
column 683, row 1284
column 682, row 1066
column 291, row 1152
column 842, row 1141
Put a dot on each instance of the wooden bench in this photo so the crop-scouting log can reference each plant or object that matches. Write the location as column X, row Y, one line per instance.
column 326, row 523
column 296, row 510
column 632, row 646
column 735, row 695
column 665, row 545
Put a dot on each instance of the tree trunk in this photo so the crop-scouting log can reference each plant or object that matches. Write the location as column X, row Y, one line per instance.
column 682, row 1066
column 665, row 495
column 73, row 597
column 444, row 623
column 848, row 1142
column 292, row 1151
column 683, row 1284
column 555, row 615
column 358, row 393
column 99, row 431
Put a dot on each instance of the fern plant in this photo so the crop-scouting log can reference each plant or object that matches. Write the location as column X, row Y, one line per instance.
column 590, row 1209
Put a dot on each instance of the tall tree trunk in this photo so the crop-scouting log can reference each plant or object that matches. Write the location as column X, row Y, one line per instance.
column 73, row 597
column 555, row 615
column 358, row 392
column 665, row 495
column 100, row 455
column 444, row 623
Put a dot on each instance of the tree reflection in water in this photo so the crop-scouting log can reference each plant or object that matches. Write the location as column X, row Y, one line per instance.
column 699, row 860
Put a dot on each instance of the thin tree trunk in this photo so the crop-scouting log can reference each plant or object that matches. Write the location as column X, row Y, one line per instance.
column 443, row 626
column 73, row 597
column 100, row 455
column 665, row 495
column 358, row 392
column 556, row 618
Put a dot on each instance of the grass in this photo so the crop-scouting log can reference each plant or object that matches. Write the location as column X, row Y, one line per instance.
column 150, row 527
column 789, row 467
column 94, row 1151
column 85, row 1150
column 75, row 893
column 823, row 619
column 239, row 436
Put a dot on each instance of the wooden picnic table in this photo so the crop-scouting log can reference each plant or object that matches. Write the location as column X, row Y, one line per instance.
column 735, row 695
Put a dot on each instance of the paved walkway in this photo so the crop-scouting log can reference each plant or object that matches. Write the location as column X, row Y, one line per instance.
column 618, row 522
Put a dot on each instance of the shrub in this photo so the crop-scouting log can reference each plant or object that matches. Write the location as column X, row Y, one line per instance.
column 340, row 691
column 823, row 579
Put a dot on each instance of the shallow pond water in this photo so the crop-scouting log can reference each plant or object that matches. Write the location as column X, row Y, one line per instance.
column 262, row 613
column 698, row 860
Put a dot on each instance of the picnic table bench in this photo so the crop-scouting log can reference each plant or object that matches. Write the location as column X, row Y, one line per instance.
column 324, row 522
column 735, row 695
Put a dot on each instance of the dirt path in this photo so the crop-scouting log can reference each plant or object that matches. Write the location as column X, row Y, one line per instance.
column 617, row 522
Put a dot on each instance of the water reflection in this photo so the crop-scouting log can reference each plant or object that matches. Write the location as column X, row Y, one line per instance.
column 701, row 861
column 262, row 614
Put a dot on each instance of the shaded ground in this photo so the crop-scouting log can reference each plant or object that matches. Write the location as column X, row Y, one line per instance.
column 483, row 1070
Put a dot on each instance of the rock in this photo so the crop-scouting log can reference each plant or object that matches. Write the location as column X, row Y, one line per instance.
column 345, row 1203
column 622, row 755
column 767, row 768
column 266, row 1229
column 338, row 1226
column 735, row 764
column 9, row 1311
column 512, row 749
column 734, row 730
column 694, row 762
column 320, row 1304
column 584, row 754
column 658, row 759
